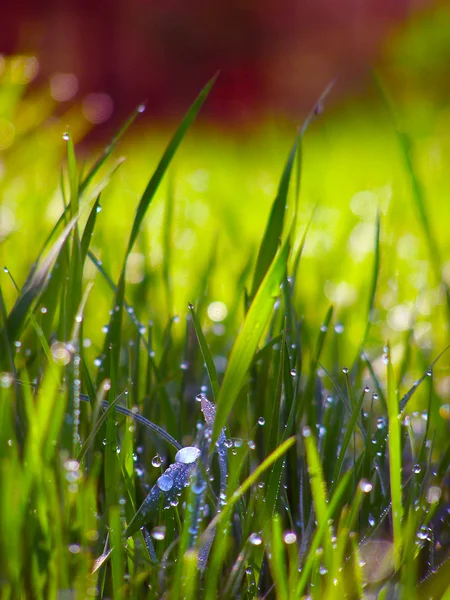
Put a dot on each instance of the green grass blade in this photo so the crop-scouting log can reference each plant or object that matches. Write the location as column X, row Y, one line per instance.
column 318, row 487
column 395, row 462
column 89, row 230
column 277, row 559
column 169, row 153
column 274, row 229
column 247, row 341
column 320, row 532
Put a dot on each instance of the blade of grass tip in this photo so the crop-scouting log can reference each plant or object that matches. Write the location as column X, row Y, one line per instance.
column 320, row 532
column 395, row 462
column 35, row 286
column 248, row 483
column 247, row 341
column 206, row 353
column 113, row 337
column 274, row 228
column 73, row 175
column 373, row 290
column 169, row 153
column 109, row 148
column 314, row 112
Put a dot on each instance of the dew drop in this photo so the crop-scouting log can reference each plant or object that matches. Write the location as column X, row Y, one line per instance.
column 158, row 533
column 187, row 455
column 289, row 537
column 157, row 461
column 66, row 136
column 261, row 421
column 165, row 482
column 345, row 370
column 365, row 486
column 306, row 431
column 255, row 539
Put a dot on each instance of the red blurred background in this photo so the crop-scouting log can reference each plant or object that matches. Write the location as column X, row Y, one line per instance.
column 273, row 56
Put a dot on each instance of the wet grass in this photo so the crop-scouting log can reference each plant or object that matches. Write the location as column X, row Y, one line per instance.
column 220, row 404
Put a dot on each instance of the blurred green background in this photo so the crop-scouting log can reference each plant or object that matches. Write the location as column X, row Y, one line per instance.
column 222, row 184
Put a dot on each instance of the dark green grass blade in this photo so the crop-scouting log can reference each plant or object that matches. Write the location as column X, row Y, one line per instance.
column 34, row 286
column 274, row 229
column 113, row 337
column 89, row 230
column 247, row 341
column 206, row 353
column 169, row 153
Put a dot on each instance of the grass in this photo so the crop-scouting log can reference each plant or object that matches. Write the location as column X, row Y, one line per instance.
column 246, row 395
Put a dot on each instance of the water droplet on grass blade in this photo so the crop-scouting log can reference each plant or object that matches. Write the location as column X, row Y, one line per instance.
column 187, row 455
column 66, row 136
column 157, row 461
column 261, row 421
column 255, row 539
column 289, row 537
column 165, row 483
column 158, row 533
column 365, row 486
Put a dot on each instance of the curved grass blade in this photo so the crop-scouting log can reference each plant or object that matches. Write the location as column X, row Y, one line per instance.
column 247, row 341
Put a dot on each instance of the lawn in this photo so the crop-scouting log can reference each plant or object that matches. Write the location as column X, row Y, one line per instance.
column 223, row 367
